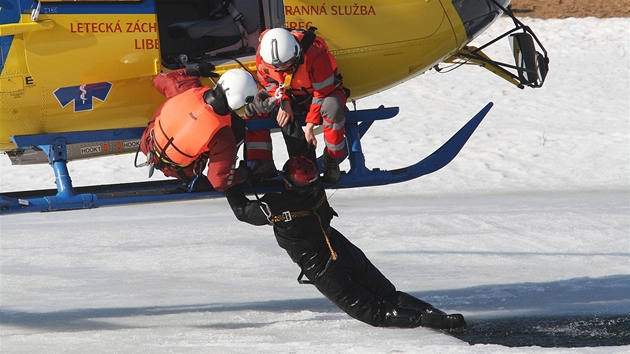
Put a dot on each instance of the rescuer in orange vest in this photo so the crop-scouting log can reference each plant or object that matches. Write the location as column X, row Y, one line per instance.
column 300, row 75
column 194, row 127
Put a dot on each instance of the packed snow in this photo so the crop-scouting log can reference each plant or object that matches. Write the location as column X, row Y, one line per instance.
column 528, row 224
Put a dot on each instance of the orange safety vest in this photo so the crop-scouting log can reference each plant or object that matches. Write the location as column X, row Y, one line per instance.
column 185, row 126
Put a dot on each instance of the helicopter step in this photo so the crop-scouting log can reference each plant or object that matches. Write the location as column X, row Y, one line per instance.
column 66, row 197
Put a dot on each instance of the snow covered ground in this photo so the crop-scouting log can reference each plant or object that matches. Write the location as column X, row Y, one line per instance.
column 526, row 232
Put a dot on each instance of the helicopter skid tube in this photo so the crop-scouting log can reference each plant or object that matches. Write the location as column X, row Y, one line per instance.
column 66, row 197
column 359, row 176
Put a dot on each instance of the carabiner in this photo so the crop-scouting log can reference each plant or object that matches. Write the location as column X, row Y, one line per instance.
column 191, row 185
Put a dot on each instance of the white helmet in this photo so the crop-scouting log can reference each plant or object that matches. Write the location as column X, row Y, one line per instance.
column 278, row 47
column 239, row 87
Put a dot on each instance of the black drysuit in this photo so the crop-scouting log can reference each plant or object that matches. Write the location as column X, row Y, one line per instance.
column 336, row 267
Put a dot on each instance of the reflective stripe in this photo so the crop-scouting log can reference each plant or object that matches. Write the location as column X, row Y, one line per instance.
column 231, row 177
column 317, row 100
column 334, row 126
column 259, row 146
column 270, row 87
column 321, row 85
column 268, row 82
column 337, row 147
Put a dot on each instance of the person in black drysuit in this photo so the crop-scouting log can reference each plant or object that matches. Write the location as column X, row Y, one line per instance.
column 301, row 217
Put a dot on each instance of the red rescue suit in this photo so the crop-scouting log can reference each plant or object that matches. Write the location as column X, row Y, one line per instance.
column 185, row 133
column 315, row 87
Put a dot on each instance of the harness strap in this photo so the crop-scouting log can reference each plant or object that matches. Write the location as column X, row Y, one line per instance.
column 239, row 20
column 308, row 39
column 161, row 152
column 299, row 279
column 164, row 161
column 288, row 216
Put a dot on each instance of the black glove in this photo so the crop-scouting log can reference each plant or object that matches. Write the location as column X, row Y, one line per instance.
column 204, row 69
column 246, row 172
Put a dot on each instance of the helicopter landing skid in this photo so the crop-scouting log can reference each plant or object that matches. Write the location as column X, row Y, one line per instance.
column 67, row 197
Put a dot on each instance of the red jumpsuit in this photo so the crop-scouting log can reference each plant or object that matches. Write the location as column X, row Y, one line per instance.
column 315, row 87
column 216, row 148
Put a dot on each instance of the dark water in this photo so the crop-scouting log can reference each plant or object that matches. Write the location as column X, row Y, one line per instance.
column 563, row 332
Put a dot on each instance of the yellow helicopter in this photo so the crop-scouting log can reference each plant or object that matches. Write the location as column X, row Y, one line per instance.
column 76, row 75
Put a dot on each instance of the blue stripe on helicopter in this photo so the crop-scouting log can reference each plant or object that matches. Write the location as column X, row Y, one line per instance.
column 10, row 14
column 89, row 7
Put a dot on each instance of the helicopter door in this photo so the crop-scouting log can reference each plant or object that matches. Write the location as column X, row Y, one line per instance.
column 273, row 13
column 196, row 29
column 92, row 41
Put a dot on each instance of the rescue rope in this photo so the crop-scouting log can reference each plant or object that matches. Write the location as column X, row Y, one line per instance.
column 333, row 254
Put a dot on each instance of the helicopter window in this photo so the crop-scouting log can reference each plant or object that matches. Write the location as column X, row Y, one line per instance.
column 478, row 15
column 196, row 29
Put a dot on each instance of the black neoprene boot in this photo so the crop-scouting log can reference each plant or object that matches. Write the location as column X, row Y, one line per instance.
column 402, row 299
column 403, row 317
column 441, row 321
column 408, row 306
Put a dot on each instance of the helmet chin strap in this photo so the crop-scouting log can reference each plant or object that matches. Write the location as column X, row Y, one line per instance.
column 216, row 99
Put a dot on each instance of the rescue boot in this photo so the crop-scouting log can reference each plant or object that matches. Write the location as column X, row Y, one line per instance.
column 264, row 169
column 442, row 321
column 331, row 169
column 432, row 310
column 402, row 299
column 403, row 318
